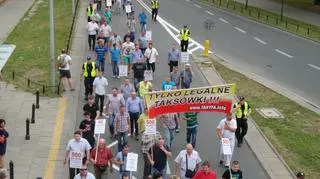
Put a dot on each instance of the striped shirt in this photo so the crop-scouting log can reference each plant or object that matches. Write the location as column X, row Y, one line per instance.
column 168, row 120
column 121, row 122
column 193, row 122
column 101, row 52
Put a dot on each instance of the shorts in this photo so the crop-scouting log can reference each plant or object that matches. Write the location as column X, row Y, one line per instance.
column 127, row 59
column 65, row 74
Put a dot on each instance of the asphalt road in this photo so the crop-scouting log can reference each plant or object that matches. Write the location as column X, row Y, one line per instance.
column 287, row 60
column 207, row 144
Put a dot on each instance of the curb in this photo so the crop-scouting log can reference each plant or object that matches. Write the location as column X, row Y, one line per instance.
column 253, row 122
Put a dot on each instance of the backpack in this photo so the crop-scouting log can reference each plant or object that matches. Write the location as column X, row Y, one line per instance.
column 62, row 61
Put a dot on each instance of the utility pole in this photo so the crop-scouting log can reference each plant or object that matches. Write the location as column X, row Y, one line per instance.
column 52, row 59
column 281, row 13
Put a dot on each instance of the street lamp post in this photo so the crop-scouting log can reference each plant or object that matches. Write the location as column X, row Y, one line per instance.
column 52, row 59
column 281, row 13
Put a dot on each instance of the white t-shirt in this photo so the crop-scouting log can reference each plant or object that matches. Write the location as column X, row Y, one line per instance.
column 67, row 59
column 100, row 85
column 92, row 28
column 78, row 146
column 153, row 52
column 193, row 160
column 105, row 30
column 89, row 176
column 127, row 48
column 226, row 133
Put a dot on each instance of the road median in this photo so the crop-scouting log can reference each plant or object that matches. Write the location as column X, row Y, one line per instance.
column 293, row 26
column 294, row 136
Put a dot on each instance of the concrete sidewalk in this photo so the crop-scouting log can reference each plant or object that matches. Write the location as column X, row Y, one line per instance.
column 288, row 11
column 11, row 11
column 272, row 163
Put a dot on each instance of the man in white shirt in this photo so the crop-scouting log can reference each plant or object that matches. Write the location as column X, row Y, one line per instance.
column 76, row 147
column 127, row 49
column 187, row 159
column 115, row 39
column 226, row 129
column 151, row 55
column 92, row 28
column 105, row 32
column 84, row 174
column 100, row 85
column 64, row 61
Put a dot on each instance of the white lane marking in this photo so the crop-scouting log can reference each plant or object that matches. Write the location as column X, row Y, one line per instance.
column 314, row 66
column 169, row 28
column 208, row 12
column 191, row 44
column 259, row 40
column 112, row 144
column 192, row 50
column 223, row 20
column 240, row 30
column 283, row 53
column 198, row 6
column 178, row 35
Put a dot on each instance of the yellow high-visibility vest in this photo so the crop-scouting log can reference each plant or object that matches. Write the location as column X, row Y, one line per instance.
column 184, row 34
column 144, row 88
column 245, row 111
column 93, row 71
column 154, row 4
column 89, row 12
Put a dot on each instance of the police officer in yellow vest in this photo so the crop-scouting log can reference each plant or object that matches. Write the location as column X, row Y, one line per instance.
column 89, row 12
column 154, row 7
column 144, row 87
column 184, row 36
column 89, row 72
column 242, row 111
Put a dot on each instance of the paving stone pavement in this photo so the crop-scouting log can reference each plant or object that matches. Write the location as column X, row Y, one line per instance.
column 271, row 161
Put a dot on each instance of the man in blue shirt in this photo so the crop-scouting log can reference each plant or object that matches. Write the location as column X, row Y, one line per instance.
column 167, row 84
column 173, row 57
column 134, row 107
column 115, row 54
column 121, row 161
column 101, row 51
column 143, row 21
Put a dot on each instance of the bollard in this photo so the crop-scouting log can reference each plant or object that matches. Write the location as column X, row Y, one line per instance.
column 37, row 100
column 308, row 31
column 58, row 89
column 258, row 14
column 27, row 129
column 13, row 75
column 286, row 24
column 33, row 114
column 297, row 27
column 206, row 48
column 11, row 169
column 43, row 89
column 28, row 82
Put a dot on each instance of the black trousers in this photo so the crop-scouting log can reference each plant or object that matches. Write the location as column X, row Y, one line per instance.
column 134, row 121
column 100, row 98
column 89, row 18
column 154, row 14
column 92, row 41
column 173, row 64
column 184, row 45
column 151, row 66
column 147, row 167
column 242, row 129
column 88, row 85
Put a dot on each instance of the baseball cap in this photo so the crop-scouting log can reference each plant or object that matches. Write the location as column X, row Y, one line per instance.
column 88, row 58
column 300, row 174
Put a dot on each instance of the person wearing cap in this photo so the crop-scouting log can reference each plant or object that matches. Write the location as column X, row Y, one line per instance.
column 64, row 69
column 242, row 111
column 89, row 72
column 184, row 37
column 300, row 175
column 206, row 172
column 154, row 7
column 186, row 76
column 226, row 129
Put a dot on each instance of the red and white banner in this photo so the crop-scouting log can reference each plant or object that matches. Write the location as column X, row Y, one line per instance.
column 204, row 99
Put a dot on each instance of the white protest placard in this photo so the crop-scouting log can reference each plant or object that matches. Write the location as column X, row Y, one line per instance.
column 226, row 146
column 151, row 126
column 149, row 35
column 128, row 8
column 100, row 126
column 123, row 70
column 94, row 6
column 109, row 3
column 184, row 57
column 148, row 75
column 132, row 162
column 75, row 159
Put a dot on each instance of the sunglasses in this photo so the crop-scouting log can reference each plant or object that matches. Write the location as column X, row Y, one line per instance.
column 84, row 169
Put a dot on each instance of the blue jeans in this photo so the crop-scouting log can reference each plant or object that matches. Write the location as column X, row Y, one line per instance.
column 163, row 172
column 192, row 136
column 100, row 64
column 115, row 68
column 169, row 135
column 122, row 138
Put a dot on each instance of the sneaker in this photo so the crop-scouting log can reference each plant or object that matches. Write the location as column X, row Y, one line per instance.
column 113, row 76
column 177, row 130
